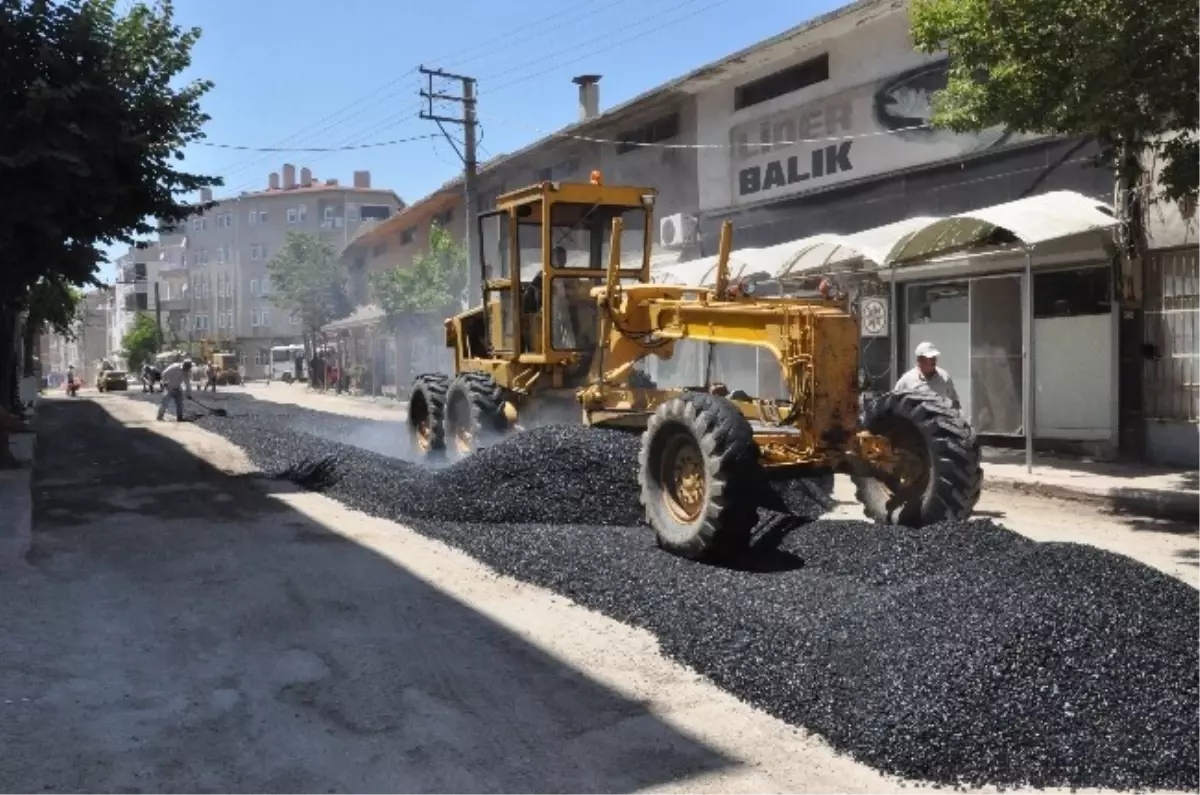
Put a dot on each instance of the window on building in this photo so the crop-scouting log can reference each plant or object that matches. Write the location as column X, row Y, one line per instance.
column 229, row 319
column 294, row 319
column 199, row 224
column 265, row 285
column 328, row 213
column 375, row 212
column 293, row 216
column 444, row 218
column 1071, row 293
column 225, row 221
column 254, row 288
column 352, row 212
column 406, row 236
column 785, row 81
column 302, row 214
column 661, row 129
column 221, row 255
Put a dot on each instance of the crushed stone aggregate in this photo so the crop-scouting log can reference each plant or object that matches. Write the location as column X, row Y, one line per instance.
column 961, row 654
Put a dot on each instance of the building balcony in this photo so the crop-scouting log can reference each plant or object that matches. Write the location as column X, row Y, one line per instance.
column 175, row 303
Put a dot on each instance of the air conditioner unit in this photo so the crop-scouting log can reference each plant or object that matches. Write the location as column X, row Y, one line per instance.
column 676, row 230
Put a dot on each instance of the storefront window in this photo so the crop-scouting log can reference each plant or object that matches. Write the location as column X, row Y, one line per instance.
column 1084, row 291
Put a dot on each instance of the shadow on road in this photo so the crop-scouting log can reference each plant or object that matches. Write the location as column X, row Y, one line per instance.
column 179, row 630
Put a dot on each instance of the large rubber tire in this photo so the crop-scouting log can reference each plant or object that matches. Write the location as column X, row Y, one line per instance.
column 427, row 413
column 950, row 479
column 474, row 414
column 705, row 437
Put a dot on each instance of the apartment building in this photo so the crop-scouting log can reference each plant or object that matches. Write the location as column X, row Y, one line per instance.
column 213, row 280
column 396, row 241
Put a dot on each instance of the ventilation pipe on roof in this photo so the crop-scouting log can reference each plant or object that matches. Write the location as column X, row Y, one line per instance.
column 589, row 95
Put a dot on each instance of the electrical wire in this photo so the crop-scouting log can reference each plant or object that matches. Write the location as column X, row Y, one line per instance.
column 374, row 145
column 335, row 119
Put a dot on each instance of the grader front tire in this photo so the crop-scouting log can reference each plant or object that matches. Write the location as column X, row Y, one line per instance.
column 944, row 477
column 696, row 469
column 474, row 413
column 427, row 413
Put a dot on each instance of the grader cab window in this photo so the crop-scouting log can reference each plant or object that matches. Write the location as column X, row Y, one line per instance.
column 497, row 279
column 583, row 233
column 581, row 238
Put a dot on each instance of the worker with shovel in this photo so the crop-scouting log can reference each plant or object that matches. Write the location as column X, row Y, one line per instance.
column 176, row 379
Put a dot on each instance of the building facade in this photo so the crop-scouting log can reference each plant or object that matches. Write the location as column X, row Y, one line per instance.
column 214, row 284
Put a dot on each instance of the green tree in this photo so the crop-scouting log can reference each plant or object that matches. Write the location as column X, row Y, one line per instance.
column 1120, row 71
column 54, row 306
column 435, row 283
column 307, row 282
column 93, row 121
column 140, row 342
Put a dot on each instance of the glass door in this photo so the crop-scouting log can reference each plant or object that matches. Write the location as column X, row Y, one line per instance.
column 996, row 363
column 941, row 314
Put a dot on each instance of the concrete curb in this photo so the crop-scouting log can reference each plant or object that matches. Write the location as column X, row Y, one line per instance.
column 1182, row 506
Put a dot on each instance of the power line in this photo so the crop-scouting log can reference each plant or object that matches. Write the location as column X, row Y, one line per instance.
column 335, row 119
column 374, row 145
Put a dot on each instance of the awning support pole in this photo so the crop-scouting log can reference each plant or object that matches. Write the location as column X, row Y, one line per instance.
column 894, row 329
column 1027, row 376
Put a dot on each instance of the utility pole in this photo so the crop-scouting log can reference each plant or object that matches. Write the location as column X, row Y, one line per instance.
column 469, row 123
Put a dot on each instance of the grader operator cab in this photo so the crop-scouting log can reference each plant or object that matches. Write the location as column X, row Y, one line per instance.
column 705, row 447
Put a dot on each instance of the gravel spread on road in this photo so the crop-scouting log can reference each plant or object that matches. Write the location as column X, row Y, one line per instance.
column 960, row 654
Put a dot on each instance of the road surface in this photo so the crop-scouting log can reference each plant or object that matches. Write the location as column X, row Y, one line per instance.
column 184, row 625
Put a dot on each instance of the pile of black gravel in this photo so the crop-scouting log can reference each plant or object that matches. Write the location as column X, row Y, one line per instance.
column 960, row 654
column 566, row 474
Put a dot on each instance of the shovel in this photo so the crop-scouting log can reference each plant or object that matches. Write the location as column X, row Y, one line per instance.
column 216, row 412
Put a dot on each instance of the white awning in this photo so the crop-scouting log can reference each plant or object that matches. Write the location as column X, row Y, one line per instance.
column 795, row 257
column 1032, row 220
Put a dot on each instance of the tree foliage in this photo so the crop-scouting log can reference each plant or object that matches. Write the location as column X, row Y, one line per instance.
column 307, row 282
column 1121, row 71
column 140, row 343
column 93, row 121
column 55, row 305
column 436, row 282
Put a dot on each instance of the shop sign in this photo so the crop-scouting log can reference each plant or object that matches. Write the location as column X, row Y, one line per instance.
column 862, row 132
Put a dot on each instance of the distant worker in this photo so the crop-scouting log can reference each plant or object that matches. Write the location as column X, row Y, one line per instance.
column 927, row 376
column 210, row 373
column 176, row 380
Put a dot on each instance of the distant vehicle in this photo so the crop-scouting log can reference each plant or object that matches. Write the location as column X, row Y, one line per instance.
column 112, row 381
column 283, row 362
column 227, row 368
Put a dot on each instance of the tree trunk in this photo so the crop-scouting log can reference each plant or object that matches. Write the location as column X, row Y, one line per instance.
column 8, row 356
column 31, row 340
column 1130, row 203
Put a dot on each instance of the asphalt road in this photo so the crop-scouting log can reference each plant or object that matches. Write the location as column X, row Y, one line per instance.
column 183, row 625
column 216, row 640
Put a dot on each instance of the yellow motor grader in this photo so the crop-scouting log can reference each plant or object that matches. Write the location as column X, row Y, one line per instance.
column 571, row 325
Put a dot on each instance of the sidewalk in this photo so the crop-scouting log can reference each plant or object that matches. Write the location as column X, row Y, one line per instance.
column 16, row 502
column 1142, row 490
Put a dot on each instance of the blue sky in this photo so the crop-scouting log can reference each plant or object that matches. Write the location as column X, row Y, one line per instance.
column 303, row 73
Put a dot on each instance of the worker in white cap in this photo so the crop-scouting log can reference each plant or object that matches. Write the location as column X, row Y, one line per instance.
column 928, row 376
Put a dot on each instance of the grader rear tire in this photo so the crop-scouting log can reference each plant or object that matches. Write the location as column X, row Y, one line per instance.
column 944, row 477
column 696, row 469
column 474, row 413
column 427, row 413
